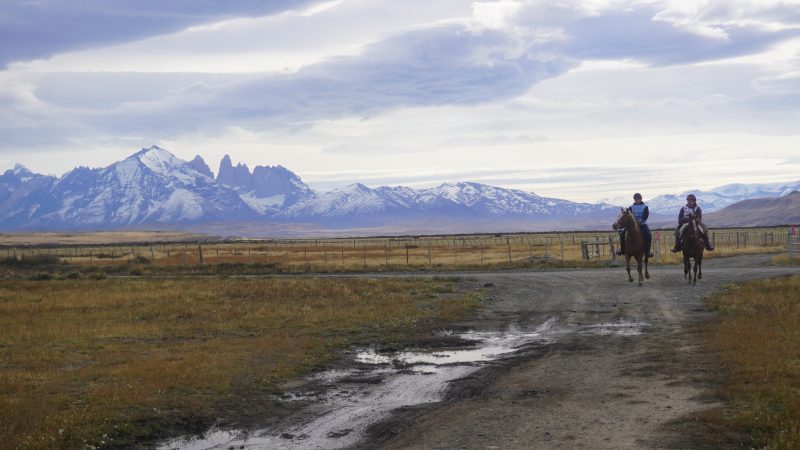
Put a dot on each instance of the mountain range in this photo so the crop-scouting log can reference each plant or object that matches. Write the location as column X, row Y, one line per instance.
column 154, row 189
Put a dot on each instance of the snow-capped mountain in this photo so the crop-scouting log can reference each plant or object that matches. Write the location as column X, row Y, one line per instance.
column 23, row 195
column 358, row 204
column 268, row 189
column 722, row 196
column 151, row 186
column 154, row 187
column 759, row 212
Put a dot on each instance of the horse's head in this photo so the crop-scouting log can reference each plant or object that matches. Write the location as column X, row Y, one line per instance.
column 624, row 219
column 693, row 229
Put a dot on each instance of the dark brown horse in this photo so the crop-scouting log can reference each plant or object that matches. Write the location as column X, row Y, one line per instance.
column 634, row 243
column 693, row 247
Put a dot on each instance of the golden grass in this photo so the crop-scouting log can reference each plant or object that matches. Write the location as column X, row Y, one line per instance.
column 785, row 260
column 438, row 253
column 96, row 237
column 86, row 361
column 759, row 345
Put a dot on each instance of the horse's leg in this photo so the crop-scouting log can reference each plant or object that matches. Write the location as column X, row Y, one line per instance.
column 639, row 268
column 694, row 270
column 685, row 265
column 700, row 267
column 628, row 267
column 646, row 272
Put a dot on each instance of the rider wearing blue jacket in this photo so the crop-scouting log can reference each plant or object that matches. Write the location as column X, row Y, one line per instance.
column 641, row 212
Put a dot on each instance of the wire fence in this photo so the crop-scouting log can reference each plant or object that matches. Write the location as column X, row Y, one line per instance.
column 393, row 252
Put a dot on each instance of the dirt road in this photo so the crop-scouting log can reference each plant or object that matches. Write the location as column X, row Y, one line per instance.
column 586, row 389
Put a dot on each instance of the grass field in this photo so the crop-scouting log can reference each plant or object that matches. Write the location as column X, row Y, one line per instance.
column 391, row 254
column 758, row 343
column 113, row 362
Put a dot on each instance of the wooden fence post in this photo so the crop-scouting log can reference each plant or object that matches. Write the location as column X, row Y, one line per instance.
column 612, row 250
column 430, row 258
column 152, row 257
column 200, row 252
column 562, row 248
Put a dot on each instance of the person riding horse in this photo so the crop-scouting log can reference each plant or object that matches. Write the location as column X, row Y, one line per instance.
column 690, row 209
column 641, row 212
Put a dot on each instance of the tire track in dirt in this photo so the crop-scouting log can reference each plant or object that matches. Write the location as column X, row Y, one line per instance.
column 586, row 390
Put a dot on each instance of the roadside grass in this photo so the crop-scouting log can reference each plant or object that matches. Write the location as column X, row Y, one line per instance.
column 785, row 260
column 123, row 362
column 758, row 343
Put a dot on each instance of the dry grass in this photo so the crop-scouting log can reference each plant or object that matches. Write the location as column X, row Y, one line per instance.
column 97, row 237
column 759, row 344
column 785, row 260
column 437, row 253
column 87, row 361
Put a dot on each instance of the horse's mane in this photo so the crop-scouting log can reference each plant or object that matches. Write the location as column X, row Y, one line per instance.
column 633, row 219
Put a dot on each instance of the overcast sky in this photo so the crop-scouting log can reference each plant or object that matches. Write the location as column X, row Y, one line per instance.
column 583, row 100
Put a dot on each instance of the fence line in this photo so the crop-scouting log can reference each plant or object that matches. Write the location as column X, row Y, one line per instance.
column 428, row 251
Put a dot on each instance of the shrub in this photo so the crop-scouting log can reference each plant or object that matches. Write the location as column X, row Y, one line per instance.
column 29, row 262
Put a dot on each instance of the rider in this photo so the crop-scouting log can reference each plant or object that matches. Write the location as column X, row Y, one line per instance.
column 641, row 212
column 683, row 220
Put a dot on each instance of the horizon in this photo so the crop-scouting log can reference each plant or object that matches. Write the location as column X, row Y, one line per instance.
column 215, row 173
column 587, row 101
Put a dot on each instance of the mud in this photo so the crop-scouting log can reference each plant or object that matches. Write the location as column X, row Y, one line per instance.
column 556, row 359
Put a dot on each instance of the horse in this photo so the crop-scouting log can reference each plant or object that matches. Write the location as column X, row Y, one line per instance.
column 693, row 247
column 634, row 243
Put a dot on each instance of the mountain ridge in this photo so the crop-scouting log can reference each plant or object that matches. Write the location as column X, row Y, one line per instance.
column 154, row 187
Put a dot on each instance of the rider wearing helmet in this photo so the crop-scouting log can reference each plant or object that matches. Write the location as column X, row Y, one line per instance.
column 641, row 212
column 690, row 208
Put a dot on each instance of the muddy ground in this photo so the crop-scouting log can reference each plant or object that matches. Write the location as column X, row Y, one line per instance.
column 597, row 362
column 584, row 390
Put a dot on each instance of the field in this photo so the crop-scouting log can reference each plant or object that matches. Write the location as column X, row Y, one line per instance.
column 757, row 343
column 90, row 356
column 386, row 254
column 119, row 363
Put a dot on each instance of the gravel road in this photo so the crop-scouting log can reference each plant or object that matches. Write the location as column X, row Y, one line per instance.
column 585, row 390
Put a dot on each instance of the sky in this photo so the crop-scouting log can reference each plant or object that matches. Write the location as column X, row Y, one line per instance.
column 582, row 100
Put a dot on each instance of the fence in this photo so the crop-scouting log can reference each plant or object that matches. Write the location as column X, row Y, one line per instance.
column 793, row 241
column 379, row 253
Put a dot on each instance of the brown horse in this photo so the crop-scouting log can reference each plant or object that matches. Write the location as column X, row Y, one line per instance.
column 634, row 243
column 693, row 247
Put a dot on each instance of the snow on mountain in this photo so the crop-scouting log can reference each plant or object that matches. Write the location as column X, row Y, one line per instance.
column 24, row 194
column 151, row 186
column 267, row 189
column 200, row 166
column 463, row 202
column 722, row 196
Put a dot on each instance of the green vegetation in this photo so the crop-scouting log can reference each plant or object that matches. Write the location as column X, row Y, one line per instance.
column 122, row 362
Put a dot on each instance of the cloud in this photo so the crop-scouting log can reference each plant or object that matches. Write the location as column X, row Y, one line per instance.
column 39, row 29
column 447, row 65
column 639, row 34
column 490, row 141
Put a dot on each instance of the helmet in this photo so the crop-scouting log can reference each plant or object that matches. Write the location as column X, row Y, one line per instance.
column 691, row 197
column 637, row 196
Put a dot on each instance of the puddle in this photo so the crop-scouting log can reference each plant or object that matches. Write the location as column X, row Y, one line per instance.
column 358, row 398
column 616, row 329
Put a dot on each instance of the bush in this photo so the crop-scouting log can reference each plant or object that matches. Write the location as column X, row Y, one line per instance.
column 72, row 275
column 41, row 276
column 29, row 262
column 141, row 260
